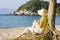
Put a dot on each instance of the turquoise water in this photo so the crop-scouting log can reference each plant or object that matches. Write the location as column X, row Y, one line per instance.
column 20, row 21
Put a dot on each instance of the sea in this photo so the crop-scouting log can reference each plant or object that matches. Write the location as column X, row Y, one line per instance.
column 21, row 21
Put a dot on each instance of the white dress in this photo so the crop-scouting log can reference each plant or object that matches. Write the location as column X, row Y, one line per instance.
column 34, row 29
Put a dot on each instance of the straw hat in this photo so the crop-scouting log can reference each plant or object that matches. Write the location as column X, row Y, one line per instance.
column 42, row 12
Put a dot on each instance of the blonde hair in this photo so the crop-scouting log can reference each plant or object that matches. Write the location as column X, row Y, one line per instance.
column 42, row 12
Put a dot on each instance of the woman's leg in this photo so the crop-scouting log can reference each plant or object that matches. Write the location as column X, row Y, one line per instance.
column 28, row 29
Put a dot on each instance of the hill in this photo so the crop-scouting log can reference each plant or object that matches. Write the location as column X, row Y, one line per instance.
column 35, row 5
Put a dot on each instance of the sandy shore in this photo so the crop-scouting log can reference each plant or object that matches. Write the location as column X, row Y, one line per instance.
column 13, row 32
column 10, row 32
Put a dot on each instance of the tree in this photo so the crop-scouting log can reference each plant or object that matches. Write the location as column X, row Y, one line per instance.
column 58, row 10
column 51, row 33
column 42, row 3
column 51, row 14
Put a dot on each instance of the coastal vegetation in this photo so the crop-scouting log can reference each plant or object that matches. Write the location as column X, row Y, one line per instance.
column 35, row 5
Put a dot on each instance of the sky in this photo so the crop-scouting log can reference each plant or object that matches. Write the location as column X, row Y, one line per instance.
column 13, row 4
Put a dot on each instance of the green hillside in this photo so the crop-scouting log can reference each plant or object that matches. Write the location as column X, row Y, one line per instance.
column 34, row 5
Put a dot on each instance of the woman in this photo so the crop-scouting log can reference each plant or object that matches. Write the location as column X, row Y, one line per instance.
column 43, row 20
column 38, row 27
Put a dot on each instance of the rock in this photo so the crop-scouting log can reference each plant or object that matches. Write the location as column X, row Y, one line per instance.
column 25, row 12
column 58, row 14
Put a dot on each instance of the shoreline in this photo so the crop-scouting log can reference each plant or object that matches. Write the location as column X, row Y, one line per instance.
column 21, row 27
column 14, row 32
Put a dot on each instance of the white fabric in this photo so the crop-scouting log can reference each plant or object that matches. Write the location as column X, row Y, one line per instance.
column 38, row 30
column 34, row 29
